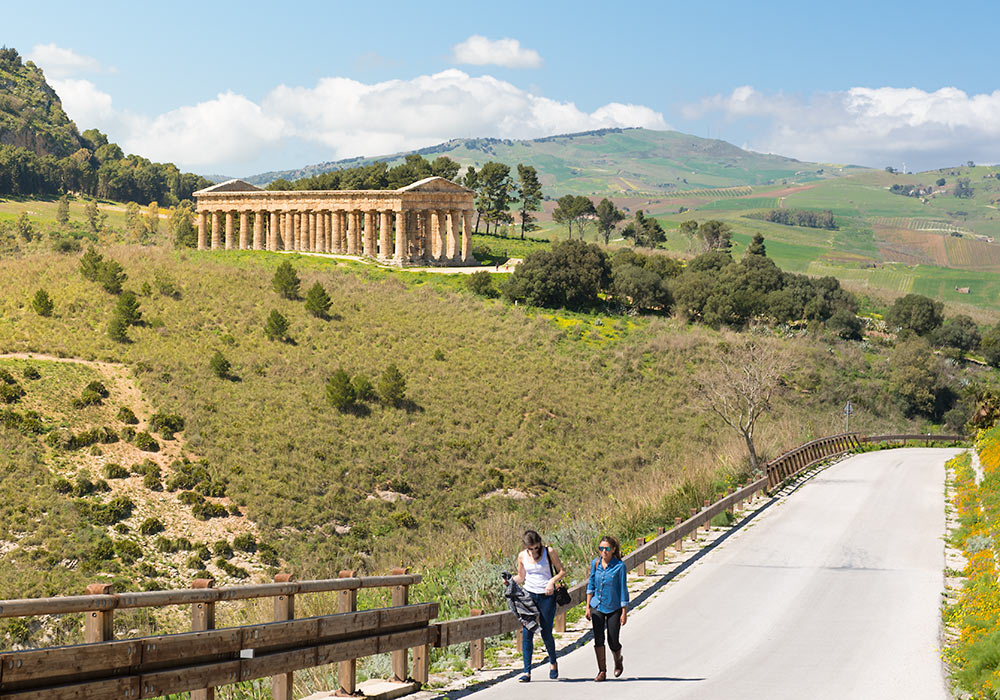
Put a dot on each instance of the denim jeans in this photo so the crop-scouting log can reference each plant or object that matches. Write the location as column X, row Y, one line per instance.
column 546, row 605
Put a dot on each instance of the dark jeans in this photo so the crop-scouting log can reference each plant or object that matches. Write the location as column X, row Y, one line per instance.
column 611, row 621
column 546, row 605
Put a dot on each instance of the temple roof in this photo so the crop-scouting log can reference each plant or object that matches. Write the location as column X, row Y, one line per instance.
column 230, row 186
column 434, row 184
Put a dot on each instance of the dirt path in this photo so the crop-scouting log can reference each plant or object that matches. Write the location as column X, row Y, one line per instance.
column 467, row 270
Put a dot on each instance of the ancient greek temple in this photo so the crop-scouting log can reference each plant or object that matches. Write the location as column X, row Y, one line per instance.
column 419, row 223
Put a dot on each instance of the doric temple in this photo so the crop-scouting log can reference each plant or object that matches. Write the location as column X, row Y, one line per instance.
column 421, row 222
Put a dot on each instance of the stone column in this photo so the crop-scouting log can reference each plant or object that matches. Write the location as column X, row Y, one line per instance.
column 258, row 230
column 321, row 232
column 384, row 235
column 467, row 236
column 202, row 230
column 288, row 230
column 308, row 235
column 217, row 230
column 399, row 255
column 314, row 237
column 451, row 249
column 244, row 229
column 352, row 232
column 229, row 230
column 433, row 250
column 337, row 232
column 297, row 230
column 369, row 247
column 328, row 218
column 415, row 224
column 272, row 232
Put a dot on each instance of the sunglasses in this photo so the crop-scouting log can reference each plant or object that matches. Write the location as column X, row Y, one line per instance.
column 605, row 549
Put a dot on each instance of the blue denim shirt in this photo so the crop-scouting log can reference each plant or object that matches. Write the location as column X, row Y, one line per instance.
column 607, row 586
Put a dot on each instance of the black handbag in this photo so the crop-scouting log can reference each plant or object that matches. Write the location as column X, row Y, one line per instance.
column 562, row 592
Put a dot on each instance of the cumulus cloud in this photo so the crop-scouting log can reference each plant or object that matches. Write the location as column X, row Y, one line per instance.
column 869, row 126
column 58, row 62
column 477, row 50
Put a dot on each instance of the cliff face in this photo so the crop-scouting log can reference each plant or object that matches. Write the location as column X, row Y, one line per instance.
column 31, row 113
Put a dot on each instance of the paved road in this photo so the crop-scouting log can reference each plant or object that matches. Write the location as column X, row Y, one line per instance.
column 833, row 593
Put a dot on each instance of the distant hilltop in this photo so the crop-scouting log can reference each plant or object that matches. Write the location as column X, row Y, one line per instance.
column 619, row 161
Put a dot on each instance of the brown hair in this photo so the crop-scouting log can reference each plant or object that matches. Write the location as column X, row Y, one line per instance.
column 531, row 539
column 616, row 550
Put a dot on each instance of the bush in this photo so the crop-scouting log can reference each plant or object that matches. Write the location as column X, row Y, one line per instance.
column 11, row 393
column 285, row 281
column 363, row 388
column 42, row 303
column 318, row 301
column 83, row 486
column 165, row 545
column 570, row 275
column 340, row 391
column 268, row 554
column 111, row 276
column 113, row 470
column 234, row 510
column 276, row 327
column 193, row 562
column 103, row 549
column 127, row 307
column 152, row 482
column 221, row 548
column 190, row 498
column 88, row 397
column 62, row 485
column 202, row 552
column 215, row 489
column 31, row 372
column 481, row 283
column 151, row 526
column 145, row 442
column 245, row 543
column 232, row 569
column 392, row 386
column 128, row 551
column 219, row 365
column 207, row 511
column 127, row 416
column 146, row 467
column 101, row 486
column 166, row 424
column 118, row 329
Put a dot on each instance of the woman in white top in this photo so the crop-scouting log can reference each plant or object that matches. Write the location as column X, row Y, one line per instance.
column 538, row 571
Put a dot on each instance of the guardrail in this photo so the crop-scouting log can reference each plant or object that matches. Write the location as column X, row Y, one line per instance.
column 200, row 660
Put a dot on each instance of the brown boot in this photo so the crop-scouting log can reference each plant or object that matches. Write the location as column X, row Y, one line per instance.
column 602, row 667
column 619, row 663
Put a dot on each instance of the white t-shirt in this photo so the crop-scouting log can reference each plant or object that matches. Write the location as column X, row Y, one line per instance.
column 536, row 573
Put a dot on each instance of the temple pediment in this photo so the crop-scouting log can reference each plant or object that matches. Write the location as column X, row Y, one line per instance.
column 230, row 186
column 434, row 184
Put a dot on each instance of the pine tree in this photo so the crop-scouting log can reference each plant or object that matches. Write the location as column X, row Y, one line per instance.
column 128, row 308
column 111, row 275
column 318, row 301
column 530, row 191
column 118, row 329
column 756, row 246
column 62, row 211
column 392, row 386
column 340, row 391
column 219, row 365
column 90, row 264
column 42, row 303
column 286, row 282
column 276, row 327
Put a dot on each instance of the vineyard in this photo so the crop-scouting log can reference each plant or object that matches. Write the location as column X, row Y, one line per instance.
column 921, row 224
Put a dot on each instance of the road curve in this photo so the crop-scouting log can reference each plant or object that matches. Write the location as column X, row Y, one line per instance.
column 832, row 592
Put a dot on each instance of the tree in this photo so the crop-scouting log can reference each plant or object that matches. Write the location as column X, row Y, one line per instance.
column 339, row 391
column 392, row 386
column 529, row 189
column 24, row 228
column 62, row 211
column 118, row 329
column 90, row 264
column 497, row 193
column 471, row 181
column 940, row 182
column 640, row 288
column 152, row 221
column 689, row 228
column 42, row 303
column 276, row 327
column 608, row 217
column 285, row 281
column 95, row 217
column 959, row 332
column 219, row 365
column 318, row 301
column 134, row 226
column 111, row 275
column 573, row 210
column 845, row 324
column 481, row 283
column 716, row 235
column 737, row 383
column 181, row 224
column 127, row 307
column 916, row 313
column 914, row 376
column 963, row 190
column 757, row 246
column 644, row 230
column 990, row 346
column 570, row 275
column 445, row 167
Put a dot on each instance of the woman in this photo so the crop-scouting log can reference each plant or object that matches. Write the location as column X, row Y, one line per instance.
column 538, row 572
column 607, row 603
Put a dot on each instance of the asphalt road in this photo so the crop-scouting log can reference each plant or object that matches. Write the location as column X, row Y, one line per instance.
column 832, row 592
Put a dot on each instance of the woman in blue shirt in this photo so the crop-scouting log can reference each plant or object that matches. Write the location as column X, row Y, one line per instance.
column 607, row 603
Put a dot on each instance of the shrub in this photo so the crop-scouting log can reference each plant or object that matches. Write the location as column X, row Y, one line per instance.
column 202, row 552
column 127, row 416
column 127, row 307
column 90, row 264
column 363, row 388
column 120, row 508
column 42, row 303
column 62, row 485
column 234, row 510
column 149, row 571
column 128, row 551
column 88, row 398
column 340, row 391
column 101, row 486
column 183, row 544
column 152, row 482
column 481, row 283
column 103, row 549
column 166, row 545
column 111, row 276
column 245, row 543
column 404, row 519
column 219, row 365
column 285, row 281
column 392, row 386
column 128, row 433
column 190, row 498
column 31, row 372
column 66, row 245
column 11, row 393
column 151, row 526
column 118, row 329
column 221, row 548
column 122, row 528
column 207, row 511
column 570, row 274
column 146, row 467
column 193, row 562
column 268, row 554
column 232, row 569
column 83, row 486
column 215, row 489
column 145, row 442
column 166, row 424
column 318, row 301
column 439, row 355
column 276, row 327
column 6, row 377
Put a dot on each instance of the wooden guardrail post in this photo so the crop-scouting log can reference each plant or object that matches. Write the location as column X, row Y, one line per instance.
column 99, row 624
column 400, row 596
column 640, row 566
column 347, row 670
column 284, row 610
column 708, row 521
column 694, row 530
column 679, row 544
column 421, row 663
column 660, row 555
column 202, row 620
column 559, row 624
column 476, row 646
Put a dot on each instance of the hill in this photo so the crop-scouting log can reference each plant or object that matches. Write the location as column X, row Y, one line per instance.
column 636, row 162
column 31, row 113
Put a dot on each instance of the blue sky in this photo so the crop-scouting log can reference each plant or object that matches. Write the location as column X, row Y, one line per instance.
column 239, row 88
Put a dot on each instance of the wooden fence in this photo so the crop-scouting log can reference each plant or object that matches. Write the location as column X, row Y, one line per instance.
column 198, row 661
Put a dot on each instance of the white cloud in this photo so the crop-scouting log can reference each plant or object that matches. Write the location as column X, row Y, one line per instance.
column 57, row 62
column 477, row 50
column 84, row 102
column 869, row 126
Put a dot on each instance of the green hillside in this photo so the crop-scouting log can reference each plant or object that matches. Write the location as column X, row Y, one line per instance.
column 627, row 162
column 31, row 114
